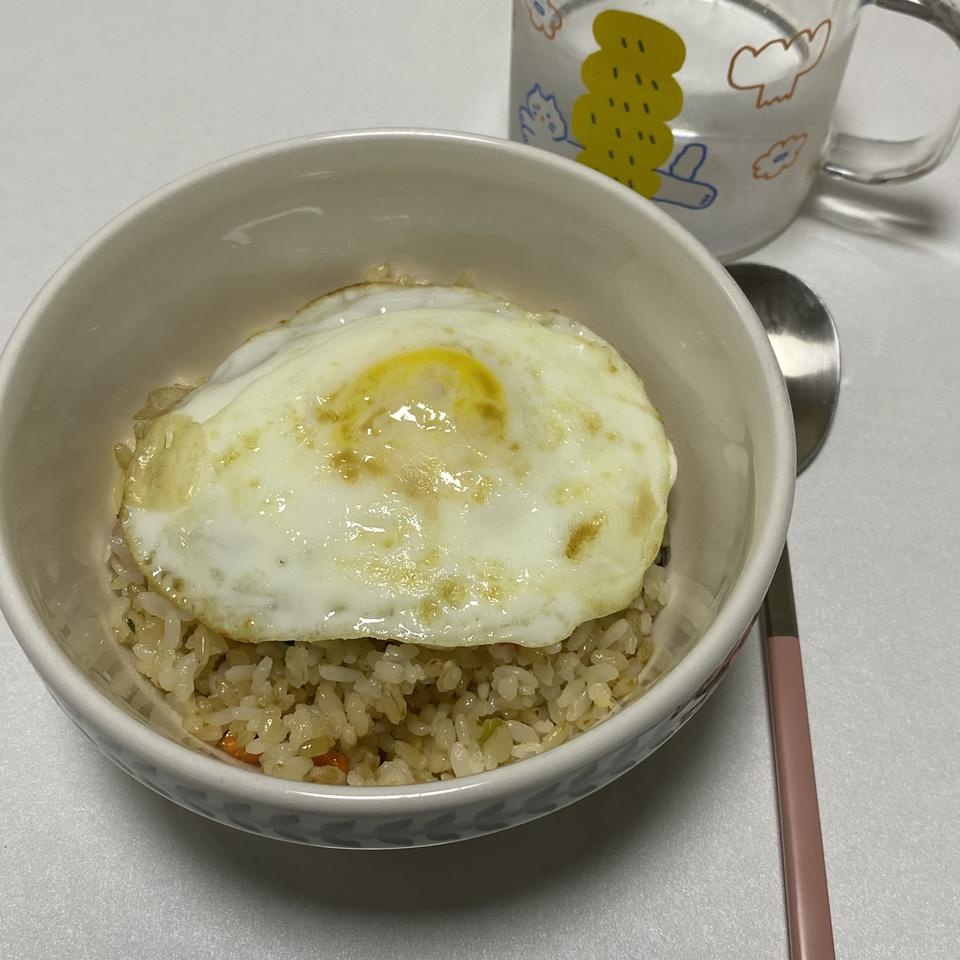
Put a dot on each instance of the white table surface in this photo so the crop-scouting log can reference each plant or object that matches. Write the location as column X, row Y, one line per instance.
column 101, row 102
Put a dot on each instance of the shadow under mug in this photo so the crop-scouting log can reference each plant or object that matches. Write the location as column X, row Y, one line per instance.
column 719, row 110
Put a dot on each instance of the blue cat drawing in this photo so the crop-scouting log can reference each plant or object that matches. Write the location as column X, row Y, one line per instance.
column 541, row 121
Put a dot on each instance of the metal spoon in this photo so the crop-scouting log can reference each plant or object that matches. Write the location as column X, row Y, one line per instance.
column 805, row 341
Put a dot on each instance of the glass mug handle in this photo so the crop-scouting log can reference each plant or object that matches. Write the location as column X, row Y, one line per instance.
column 865, row 160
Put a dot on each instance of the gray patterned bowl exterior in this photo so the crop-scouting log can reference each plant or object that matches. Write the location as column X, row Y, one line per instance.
column 169, row 287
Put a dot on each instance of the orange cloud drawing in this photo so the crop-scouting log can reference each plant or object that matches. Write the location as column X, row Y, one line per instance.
column 544, row 16
column 781, row 156
column 774, row 69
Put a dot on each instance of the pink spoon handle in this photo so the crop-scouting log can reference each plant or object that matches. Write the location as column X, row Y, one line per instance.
column 804, row 869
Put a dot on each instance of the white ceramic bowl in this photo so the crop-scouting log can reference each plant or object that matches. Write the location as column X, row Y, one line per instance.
column 172, row 285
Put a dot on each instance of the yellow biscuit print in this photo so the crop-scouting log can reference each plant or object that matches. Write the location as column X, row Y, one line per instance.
column 631, row 93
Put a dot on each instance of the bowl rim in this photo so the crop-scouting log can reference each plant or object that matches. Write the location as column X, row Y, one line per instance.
column 82, row 699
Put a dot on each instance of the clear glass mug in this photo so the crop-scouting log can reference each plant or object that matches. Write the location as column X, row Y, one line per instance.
column 720, row 110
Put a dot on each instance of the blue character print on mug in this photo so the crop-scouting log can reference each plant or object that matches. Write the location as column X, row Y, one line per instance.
column 679, row 184
column 541, row 121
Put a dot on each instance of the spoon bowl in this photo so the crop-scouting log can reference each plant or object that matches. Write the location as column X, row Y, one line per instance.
column 804, row 338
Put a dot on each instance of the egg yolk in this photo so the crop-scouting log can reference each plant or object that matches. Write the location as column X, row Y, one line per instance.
column 427, row 417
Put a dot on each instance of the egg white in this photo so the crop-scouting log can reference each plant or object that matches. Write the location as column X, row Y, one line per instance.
column 423, row 464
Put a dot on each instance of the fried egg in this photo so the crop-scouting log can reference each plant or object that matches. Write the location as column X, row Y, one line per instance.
column 414, row 463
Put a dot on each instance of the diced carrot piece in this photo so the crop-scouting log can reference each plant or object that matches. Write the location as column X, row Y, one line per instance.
column 228, row 744
column 333, row 758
